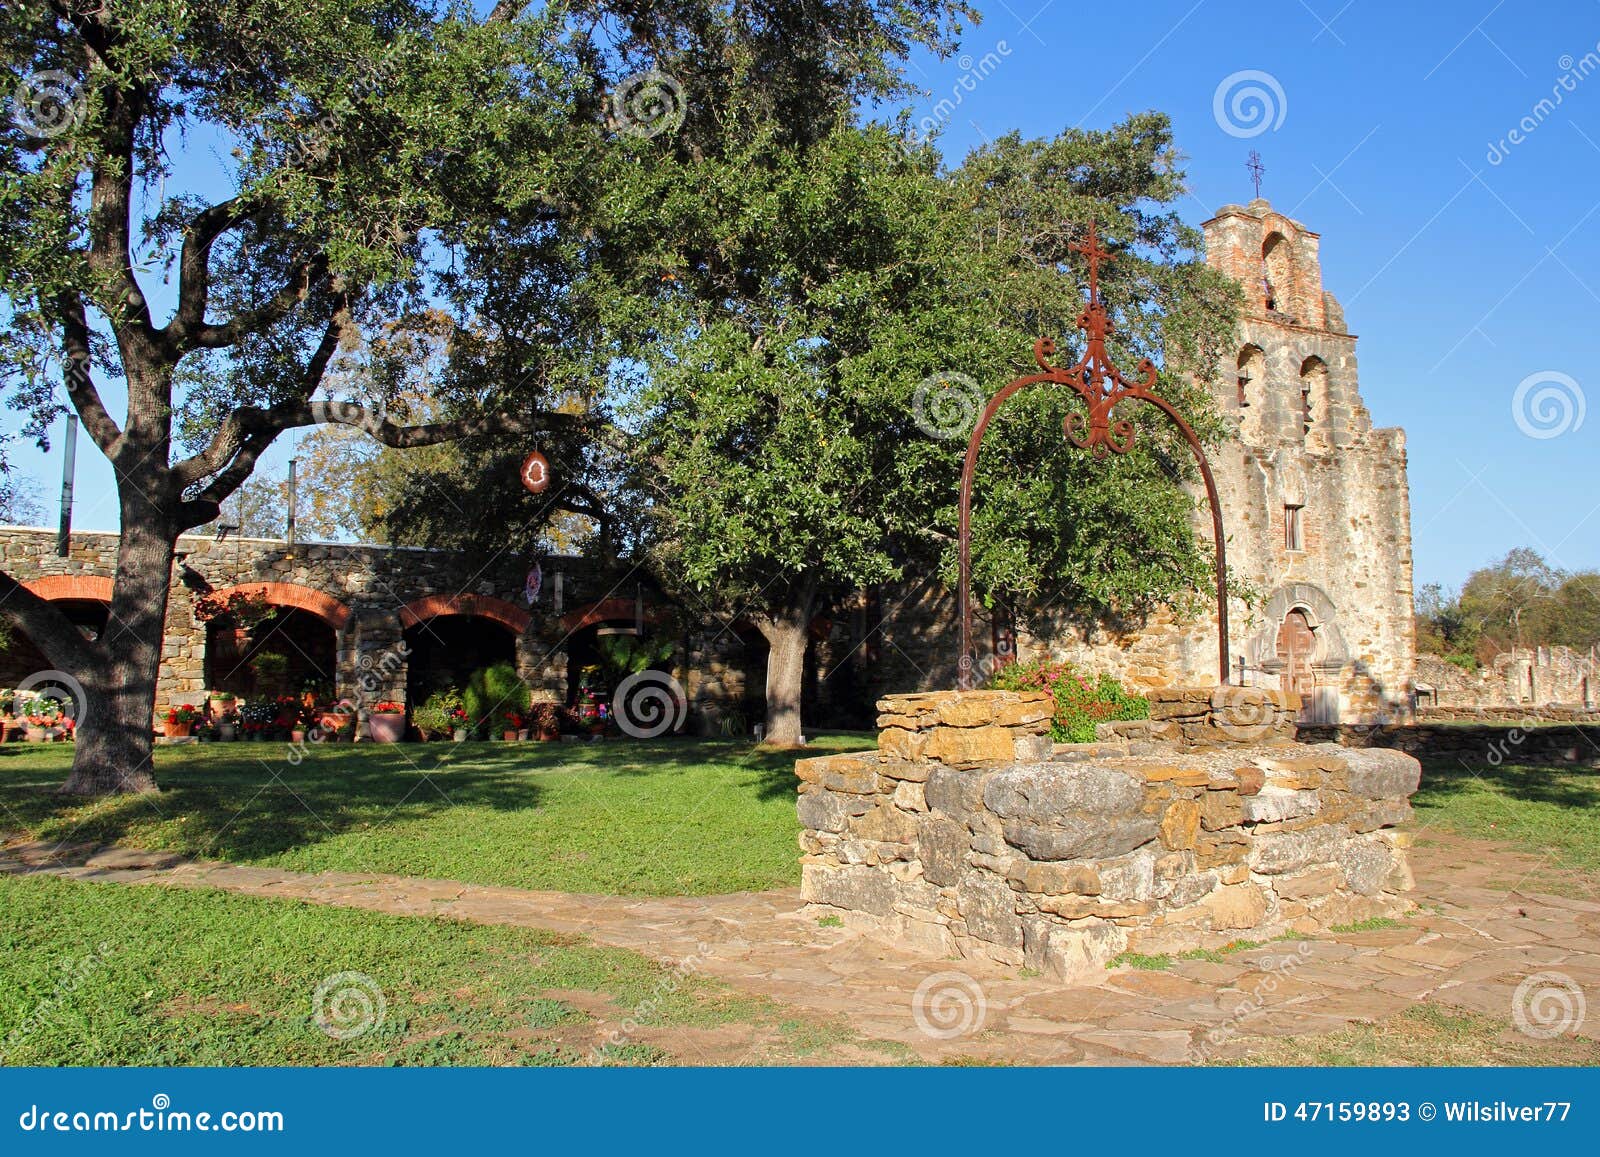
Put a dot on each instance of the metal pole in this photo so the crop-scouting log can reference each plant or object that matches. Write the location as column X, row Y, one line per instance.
column 289, row 529
column 68, row 468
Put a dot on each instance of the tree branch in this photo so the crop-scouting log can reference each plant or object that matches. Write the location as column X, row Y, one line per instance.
column 47, row 628
column 308, row 275
column 80, row 387
column 194, row 269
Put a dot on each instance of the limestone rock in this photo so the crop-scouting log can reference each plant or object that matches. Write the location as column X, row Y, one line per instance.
column 1042, row 792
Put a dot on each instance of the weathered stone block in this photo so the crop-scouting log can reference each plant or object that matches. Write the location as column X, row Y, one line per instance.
column 1041, row 792
column 899, row 743
column 989, row 908
column 1365, row 864
column 953, row 791
column 942, row 846
column 964, row 746
column 1055, row 879
column 828, row 811
column 1382, row 773
column 1276, row 804
column 1080, row 837
column 858, row 888
column 847, row 773
column 1180, row 826
column 886, row 824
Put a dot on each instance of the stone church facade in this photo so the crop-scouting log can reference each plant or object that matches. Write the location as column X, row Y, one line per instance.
column 1314, row 498
column 1315, row 503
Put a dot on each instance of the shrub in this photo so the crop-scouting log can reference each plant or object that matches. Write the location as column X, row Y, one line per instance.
column 1080, row 703
column 493, row 695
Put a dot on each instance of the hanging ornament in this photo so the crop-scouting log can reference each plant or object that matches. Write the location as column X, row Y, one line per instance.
column 536, row 472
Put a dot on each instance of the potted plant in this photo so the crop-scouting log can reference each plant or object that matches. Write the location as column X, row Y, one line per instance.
column 181, row 720
column 546, row 720
column 386, row 722
column 256, row 719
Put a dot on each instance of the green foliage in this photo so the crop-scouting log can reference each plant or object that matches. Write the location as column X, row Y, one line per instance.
column 624, row 655
column 436, row 717
column 493, row 695
column 1080, row 704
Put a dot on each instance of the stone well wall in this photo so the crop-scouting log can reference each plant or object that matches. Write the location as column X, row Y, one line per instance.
column 967, row 832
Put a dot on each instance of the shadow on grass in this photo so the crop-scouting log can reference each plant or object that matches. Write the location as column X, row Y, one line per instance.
column 250, row 801
column 1569, row 786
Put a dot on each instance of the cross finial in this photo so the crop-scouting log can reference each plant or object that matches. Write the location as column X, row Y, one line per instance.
column 1096, row 253
column 1257, row 169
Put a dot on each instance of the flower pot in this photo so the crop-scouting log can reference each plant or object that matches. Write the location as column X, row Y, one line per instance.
column 386, row 726
column 178, row 730
column 459, row 735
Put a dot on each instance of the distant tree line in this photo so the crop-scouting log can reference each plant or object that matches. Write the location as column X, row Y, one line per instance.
column 1519, row 601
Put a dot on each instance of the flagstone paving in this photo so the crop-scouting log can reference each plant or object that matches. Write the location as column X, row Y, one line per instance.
column 1471, row 941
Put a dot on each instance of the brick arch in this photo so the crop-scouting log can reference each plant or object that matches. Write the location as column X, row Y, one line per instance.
column 327, row 608
column 57, row 587
column 508, row 615
column 604, row 611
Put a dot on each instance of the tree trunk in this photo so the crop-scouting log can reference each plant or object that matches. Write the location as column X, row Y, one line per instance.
column 116, row 732
column 787, row 636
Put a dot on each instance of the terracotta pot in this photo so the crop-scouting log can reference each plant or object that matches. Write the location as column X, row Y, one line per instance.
column 178, row 730
column 386, row 726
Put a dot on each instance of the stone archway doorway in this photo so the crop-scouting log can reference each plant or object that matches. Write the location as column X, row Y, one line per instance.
column 1297, row 644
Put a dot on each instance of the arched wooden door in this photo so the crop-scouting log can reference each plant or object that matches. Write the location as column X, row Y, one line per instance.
column 1297, row 643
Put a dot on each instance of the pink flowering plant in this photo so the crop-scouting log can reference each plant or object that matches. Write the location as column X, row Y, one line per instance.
column 1081, row 702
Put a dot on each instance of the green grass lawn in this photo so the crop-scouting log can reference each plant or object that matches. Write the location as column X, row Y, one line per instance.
column 108, row 974
column 1554, row 811
column 679, row 817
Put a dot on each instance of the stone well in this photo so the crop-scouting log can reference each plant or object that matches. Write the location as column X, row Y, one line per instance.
column 969, row 833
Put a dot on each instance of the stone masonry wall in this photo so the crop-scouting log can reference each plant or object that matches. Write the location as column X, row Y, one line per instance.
column 968, row 833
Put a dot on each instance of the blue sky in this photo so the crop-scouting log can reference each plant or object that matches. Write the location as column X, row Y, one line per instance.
column 1465, row 275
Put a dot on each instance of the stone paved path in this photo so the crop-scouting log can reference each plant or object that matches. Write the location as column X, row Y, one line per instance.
column 1474, row 937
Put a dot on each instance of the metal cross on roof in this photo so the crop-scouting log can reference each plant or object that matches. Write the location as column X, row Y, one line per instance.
column 1257, row 169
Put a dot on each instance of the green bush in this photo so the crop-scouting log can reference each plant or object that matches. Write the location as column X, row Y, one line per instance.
column 1080, row 703
column 493, row 696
